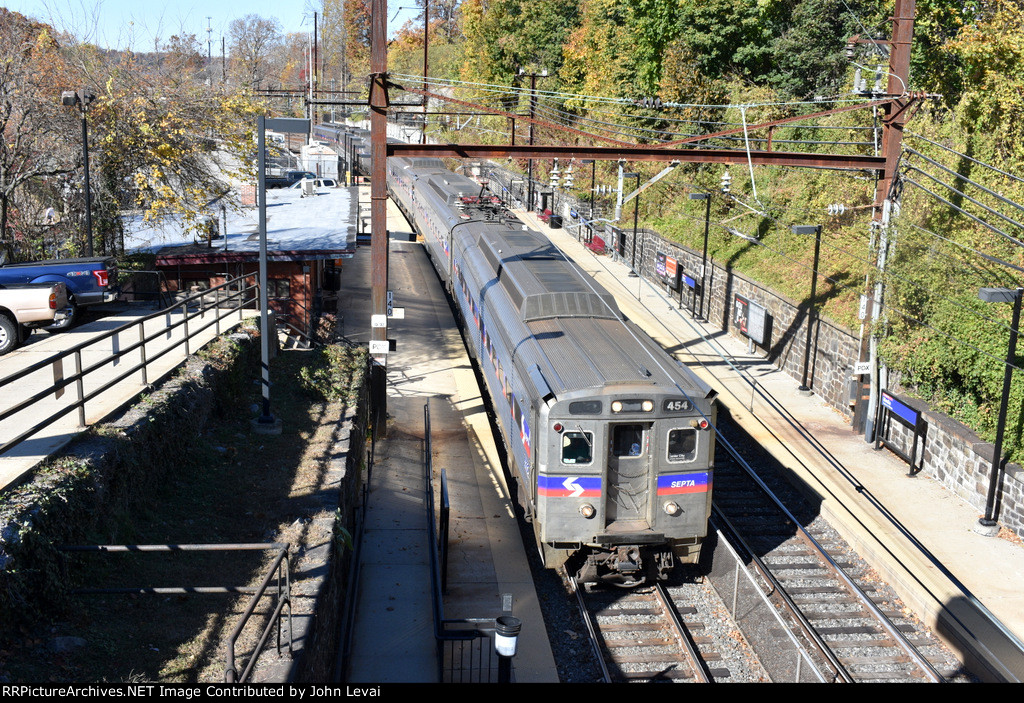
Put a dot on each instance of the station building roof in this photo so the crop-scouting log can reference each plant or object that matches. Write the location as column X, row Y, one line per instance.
column 321, row 226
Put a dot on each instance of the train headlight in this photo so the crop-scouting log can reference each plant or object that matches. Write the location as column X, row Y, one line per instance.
column 616, row 406
column 587, row 510
column 672, row 508
column 648, row 406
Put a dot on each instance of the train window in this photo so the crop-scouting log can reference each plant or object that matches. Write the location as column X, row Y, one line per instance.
column 577, row 448
column 628, row 440
column 682, row 445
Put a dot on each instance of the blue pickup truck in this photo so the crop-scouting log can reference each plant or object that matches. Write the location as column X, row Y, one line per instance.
column 88, row 281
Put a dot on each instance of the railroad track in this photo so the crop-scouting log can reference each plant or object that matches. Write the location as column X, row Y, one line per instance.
column 638, row 635
column 854, row 625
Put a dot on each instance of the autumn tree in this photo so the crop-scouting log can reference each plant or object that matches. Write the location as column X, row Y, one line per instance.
column 358, row 28
column 164, row 142
column 36, row 154
column 333, row 44
column 254, row 43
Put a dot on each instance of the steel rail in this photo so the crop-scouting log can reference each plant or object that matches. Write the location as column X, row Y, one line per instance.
column 591, row 631
column 786, row 602
column 854, row 162
column 697, row 664
column 880, row 617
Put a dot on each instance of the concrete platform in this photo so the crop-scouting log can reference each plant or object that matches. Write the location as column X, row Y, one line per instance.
column 914, row 531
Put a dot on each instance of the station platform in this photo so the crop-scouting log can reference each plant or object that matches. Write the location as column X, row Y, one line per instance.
column 488, row 574
column 916, row 533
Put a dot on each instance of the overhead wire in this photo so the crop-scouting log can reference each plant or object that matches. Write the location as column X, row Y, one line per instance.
column 965, row 156
column 598, row 126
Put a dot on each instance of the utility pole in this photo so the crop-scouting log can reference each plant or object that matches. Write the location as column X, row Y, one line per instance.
column 894, row 117
column 378, row 211
column 426, row 41
column 209, row 52
column 533, row 108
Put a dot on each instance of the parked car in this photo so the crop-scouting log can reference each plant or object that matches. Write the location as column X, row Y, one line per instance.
column 318, row 183
column 23, row 308
column 89, row 281
column 287, row 179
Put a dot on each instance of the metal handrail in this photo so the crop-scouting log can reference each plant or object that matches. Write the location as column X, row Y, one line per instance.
column 280, row 565
column 437, row 548
column 229, row 665
column 56, row 361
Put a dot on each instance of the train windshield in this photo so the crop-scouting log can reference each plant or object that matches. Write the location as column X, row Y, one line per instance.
column 682, row 445
column 577, row 448
column 628, row 440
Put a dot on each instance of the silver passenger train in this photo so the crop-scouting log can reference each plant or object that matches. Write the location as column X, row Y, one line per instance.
column 610, row 439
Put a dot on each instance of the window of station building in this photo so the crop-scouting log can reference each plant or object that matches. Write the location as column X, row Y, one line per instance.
column 628, row 440
column 279, row 288
column 682, row 445
column 577, row 448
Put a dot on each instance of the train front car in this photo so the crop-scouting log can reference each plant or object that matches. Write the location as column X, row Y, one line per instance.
column 624, row 467
column 612, row 440
column 625, row 491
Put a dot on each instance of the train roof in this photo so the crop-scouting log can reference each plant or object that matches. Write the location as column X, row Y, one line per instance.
column 578, row 353
column 541, row 282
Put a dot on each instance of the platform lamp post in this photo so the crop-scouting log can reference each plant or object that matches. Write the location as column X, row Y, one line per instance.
column 636, row 214
column 988, row 525
column 593, row 191
column 816, row 231
column 81, row 99
column 506, row 642
column 706, row 197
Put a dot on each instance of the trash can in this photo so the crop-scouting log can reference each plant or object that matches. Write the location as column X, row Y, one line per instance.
column 555, row 222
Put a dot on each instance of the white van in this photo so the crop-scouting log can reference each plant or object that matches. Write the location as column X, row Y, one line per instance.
column 317, row 183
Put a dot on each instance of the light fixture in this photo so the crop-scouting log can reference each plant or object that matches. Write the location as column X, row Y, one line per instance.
column 506, row 642
column 82, row 99
column 988, row 525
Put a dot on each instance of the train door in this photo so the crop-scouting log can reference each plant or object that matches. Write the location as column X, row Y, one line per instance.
column 629, row 458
